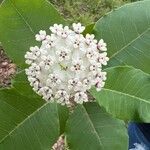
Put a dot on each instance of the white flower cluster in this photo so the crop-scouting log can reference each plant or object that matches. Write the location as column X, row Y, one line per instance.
column 66, row 64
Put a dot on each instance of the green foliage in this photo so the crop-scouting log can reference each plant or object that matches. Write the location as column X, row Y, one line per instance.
column 26, row 122
column 126, row 31
column 126, row 94
column 38, row 131
column 14, row 108
column 92, row 128
column 20, row 20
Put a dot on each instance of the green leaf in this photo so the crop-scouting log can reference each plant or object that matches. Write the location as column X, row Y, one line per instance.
column 88, row 29
column 21, row 84
column 15, row 105
column 126, row 94
column 92, row 128
column 127, row 33
column 38, row 131
column 25, row 121
column 13, row 109
column 20, row 20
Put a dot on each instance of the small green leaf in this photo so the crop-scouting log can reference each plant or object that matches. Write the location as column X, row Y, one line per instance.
column 127, row 33
column 88, row 29
column 126, row 94
column 92, row 128
column 20, row 20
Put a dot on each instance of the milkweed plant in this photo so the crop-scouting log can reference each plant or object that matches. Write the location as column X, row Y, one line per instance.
column 77, row 86
column 66, row 65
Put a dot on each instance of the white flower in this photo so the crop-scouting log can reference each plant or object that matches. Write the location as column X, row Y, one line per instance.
column 99, row 84
column 77, row 65
column 53, row 80
column 102, row 59
column 46, row 62
column 78, row 41
column 87, row 83
column 62, row 97
column 93, row 68
column 78, row 28
column 80, row 97
column 65, row 32
column 41, row 36
column 66, row 65
column 73, row 83
column 32, row 55
column 90, row 39
column 46, row 92
column 56, row 29
column 63, row 54
column 102, row 45
column 33, row 70
column 49, row 41
column 101, row 75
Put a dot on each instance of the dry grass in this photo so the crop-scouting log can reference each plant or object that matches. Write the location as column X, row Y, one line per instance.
column 86, row 11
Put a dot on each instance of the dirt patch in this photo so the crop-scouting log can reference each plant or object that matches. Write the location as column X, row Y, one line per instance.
column 7, row 69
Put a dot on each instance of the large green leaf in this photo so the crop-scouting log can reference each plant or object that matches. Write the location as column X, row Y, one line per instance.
column 20, row 20
column 126, row 94
column 14, row 108
column 39, row 131
column 25, row 121
column 127, row 33
column 21, row 85
column 91, row 128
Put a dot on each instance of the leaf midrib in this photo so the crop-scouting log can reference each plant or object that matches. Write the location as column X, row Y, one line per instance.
column 145, row 31
column 30, row 116
column 126, row 94
column 22, row 18
column 92, row 125
column 129, row 4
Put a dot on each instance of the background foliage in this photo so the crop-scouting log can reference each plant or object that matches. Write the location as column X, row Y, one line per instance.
column 86, row 11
